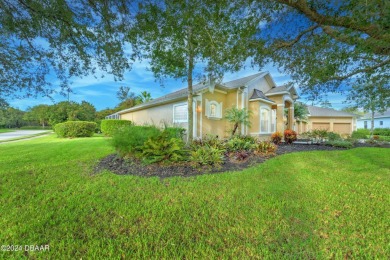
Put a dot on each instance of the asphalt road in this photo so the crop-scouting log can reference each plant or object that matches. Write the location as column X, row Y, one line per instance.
column 19, row 133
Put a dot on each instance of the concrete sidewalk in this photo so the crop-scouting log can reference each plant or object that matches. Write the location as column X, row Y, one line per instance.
column 20, row 134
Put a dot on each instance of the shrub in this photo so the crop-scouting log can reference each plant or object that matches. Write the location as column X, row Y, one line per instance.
column 360, row 134
column 163, row 148
column 276, row 137
column 290, row 136
column 209, row 140
column 265, row 147
column 238, row 143
column 129, row 140
column 109, row 126
column 333, row 136
column 75, row 129
column 340, row 143
column 175, row 132
column 375, row 137
column 241, row 155
column 207, row 155
column 382, row 131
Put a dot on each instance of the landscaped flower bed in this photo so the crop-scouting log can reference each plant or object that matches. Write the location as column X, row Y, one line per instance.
column 149, row 151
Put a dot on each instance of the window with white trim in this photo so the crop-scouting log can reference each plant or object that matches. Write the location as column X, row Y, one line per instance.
column 180, row 113
column 213, row 109
column 264, row 120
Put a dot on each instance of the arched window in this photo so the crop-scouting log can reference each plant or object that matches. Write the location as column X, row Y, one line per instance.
column 265, row 120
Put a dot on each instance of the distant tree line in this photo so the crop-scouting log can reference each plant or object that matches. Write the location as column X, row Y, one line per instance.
column 49, row 115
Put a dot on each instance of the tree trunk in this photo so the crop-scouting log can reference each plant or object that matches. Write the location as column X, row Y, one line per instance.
column 235, row 129
column 372, row 123
column 190, row 134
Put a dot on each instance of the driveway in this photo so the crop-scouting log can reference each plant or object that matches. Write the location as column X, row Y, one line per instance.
column 20, row 134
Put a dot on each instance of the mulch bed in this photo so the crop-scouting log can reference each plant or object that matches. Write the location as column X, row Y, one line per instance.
column 121, row 166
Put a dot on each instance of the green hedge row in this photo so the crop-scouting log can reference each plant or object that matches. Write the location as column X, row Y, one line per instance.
column 75, row 129
column 109, row 126
column 382, row 131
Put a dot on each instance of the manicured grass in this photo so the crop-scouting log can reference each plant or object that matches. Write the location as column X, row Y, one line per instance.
column 303, row 205
column 2, row 130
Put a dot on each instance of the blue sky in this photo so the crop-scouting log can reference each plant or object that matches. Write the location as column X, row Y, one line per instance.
column 101, row 92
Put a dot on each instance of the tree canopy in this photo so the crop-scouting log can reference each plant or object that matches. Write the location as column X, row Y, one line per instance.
column 65, row 38
column 323, row 44
column 185, row 38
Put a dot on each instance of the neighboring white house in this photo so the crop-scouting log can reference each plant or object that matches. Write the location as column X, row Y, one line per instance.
column 381, row 120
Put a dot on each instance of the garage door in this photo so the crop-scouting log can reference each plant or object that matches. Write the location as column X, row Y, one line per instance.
column 342, row 128
column 321, row 126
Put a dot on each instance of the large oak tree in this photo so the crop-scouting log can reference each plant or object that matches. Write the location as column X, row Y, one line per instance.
column 324, row 44
column 182, row 38
column 39, row 39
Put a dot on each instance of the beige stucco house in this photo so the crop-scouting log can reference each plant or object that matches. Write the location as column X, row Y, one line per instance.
column 258, row 93
column 328, row 119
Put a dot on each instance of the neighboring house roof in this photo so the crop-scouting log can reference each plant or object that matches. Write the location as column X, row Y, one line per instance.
column 258, row 94
column 376, row 115
column 327, row 112
column 183, row 93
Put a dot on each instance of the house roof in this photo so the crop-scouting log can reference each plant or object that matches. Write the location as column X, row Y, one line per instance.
column 183, row 93
column 325, row 112
column 377, row 115
column 277, row 90
column 258, row 94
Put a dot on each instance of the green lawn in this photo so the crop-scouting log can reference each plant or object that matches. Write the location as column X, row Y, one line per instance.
column 303, row 205
column 2, row 130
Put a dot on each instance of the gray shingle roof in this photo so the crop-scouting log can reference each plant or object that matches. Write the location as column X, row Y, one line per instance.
column 259, row 94
column 321, row 111
column 277, row 90
column 377, row 115
column 242, row 81
column 183, row 93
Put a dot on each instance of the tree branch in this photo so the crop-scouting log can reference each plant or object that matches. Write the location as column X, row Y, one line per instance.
column 363, row 70
column 284, row 44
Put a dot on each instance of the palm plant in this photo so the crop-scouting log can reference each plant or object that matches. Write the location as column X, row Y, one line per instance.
column 238, row 117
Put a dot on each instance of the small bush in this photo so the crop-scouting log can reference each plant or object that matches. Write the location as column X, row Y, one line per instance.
column 375, row 137
column 175, row 132
column 333, row 136
column 241, row 155
column 109, row 126
column 360, row 134
column 129, row 140
column 340, row 143
column 75, row 129
column 237, row 143
column 207, row 155
column 290, row 136
column 163, row 148
column 382, row 131
column 209, row 140
column 265, row 147
column 276, row 137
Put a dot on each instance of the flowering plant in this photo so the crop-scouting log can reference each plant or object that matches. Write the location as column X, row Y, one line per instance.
column 290, row 136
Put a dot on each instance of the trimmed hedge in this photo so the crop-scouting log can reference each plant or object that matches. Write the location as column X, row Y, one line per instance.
column 109, row 126
column 382, row 131
column 75, row 129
